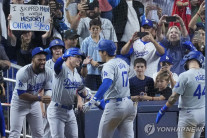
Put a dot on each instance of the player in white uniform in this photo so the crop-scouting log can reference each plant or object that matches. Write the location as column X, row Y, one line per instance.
column 30, row 80
column 119, row 110
column 57, row 48
column 66, row 80
column 190, row 89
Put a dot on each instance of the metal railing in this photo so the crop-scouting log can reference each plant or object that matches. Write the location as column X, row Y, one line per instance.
column 11, row 80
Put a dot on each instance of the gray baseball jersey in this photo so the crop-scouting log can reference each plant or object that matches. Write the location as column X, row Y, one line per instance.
column 65, row 85
column 191, row 87
column 29, row 82
column 50, row 63
column 117, row 70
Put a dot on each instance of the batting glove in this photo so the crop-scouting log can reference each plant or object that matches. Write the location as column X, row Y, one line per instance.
column 161, row 113
column 87, row 106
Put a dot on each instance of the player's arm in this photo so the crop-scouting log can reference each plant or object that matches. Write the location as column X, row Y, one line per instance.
column 172, row 99
column 29, row 97
column 106, row 84
column 58, row 65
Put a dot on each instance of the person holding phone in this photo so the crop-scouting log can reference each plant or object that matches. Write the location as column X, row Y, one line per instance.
column 143, row 45
column 174, row 42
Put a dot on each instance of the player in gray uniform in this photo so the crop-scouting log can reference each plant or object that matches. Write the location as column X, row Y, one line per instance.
column 66, row 80
column 190, row 89
column 119, row 110
column 30, row 80
column 57, row 48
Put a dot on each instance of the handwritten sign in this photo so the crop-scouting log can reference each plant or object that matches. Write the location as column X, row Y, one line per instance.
column 30, row 17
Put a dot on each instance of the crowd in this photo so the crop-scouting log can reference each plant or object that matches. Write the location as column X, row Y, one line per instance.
column 151, row 36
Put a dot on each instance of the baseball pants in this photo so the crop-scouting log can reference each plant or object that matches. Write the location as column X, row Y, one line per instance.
column 120, row 115
column 62, row 122
column 191, row 123
column 33, row 114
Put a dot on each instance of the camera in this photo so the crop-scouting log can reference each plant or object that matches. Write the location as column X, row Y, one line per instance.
column 171, row 18
column 142, row 34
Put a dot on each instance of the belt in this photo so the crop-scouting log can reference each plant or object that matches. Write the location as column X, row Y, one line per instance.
column 117, row 99
column 64, row 106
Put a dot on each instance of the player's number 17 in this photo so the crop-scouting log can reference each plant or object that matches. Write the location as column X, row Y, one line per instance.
column 124, row 78
column 198, row 91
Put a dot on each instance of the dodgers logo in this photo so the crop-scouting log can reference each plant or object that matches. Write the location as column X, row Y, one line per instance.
column 68, row 84
column 149, row 129
column 105, row 73
column 20, row 84
column 177, row 85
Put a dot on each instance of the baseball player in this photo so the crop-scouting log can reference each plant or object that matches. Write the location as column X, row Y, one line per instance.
column 190, row 89
column 57, row 49
column 66, row 80
column 30, row 80
column 119, row 111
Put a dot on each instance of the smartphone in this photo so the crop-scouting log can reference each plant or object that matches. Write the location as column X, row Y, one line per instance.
column 142, row 34
column 171, row 18
column 75, row 1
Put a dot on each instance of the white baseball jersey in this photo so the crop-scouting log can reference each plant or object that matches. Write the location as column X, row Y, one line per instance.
column 50, row 63
column 29, row 82
column 148, row 52
column 191, row 87
column 117, row 70
column 65, row 85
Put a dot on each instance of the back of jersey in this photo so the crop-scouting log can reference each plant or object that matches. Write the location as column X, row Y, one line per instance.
column 117, row 70
column 191, row 87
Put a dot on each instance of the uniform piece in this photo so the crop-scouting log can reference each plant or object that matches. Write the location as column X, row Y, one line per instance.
column 60, row 112
column 119, row 111
column 191, row 87
column 28, row 82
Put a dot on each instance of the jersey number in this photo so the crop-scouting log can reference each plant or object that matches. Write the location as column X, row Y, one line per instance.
column 198, row 91
column 125, row 78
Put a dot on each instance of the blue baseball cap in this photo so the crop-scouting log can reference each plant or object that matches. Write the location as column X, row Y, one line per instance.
column 146, row 21
column 166, row 58
column 108, row 46
column 71, row 52
column 38, row 50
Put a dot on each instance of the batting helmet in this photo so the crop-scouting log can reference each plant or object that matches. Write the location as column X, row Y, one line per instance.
column 56, row 42
column 193, row 55
column 108, row 46
column 71, row 52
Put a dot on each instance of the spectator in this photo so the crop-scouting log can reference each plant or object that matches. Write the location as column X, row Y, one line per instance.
column 163, row 92
column 82, row 24
column 200, row 13
column 166, row 63
column 126, row 19
column 146, row 47
column 4, row 60
column 106, row 9
column 199, row 39
column 195, row 4
column 71, row 38
column 93, row 79
column 140, row 83
column 183, row 9
column 173, row 43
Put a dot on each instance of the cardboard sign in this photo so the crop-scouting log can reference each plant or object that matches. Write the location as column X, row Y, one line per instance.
column 30, row 17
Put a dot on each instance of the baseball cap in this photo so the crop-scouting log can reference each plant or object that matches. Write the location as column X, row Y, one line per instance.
column 38, row 50
column 145, row 21
column 71, row 34
column 108, row 46
column 71, row 52
column 166, row 58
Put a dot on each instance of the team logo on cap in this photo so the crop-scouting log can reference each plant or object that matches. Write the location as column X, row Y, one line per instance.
column 41, row 48
column 167, row 58
column 56, row 42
